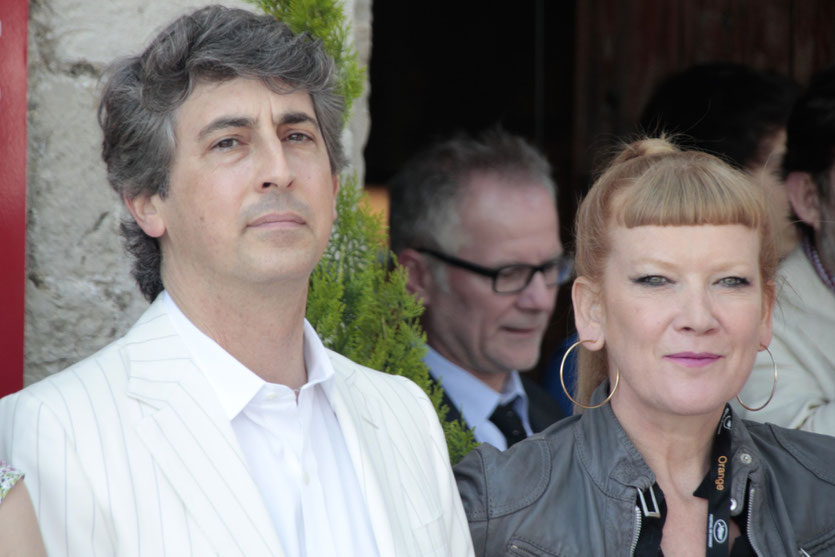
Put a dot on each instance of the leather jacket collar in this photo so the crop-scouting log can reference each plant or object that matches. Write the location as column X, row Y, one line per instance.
column 615, row 464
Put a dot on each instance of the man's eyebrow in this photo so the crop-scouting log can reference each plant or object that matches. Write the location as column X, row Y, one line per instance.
column 225, row 122
column 297, row 118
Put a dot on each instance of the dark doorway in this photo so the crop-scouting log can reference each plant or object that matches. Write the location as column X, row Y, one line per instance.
column 440, row 67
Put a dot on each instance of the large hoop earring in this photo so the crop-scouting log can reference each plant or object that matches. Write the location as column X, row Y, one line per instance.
column 565, row 390
column 773, row 386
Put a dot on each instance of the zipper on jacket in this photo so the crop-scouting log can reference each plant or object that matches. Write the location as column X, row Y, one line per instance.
column 748, row 526
column 751, row 539
column 637, row 533
column 654, row 513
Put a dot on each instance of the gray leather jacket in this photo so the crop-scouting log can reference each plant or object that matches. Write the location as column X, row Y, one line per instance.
column 573, row 490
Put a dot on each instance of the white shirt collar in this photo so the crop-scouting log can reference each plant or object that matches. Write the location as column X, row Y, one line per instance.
column 234, row 384
column 474, row 399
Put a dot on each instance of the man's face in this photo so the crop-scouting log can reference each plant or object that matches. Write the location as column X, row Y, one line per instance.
column 251, row 198
column 467, row 322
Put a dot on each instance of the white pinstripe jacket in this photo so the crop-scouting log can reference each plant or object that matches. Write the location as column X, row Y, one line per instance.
column 128, row 453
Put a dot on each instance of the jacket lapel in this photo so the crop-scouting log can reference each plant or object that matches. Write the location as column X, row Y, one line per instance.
column 359, row 421
column 192, row 442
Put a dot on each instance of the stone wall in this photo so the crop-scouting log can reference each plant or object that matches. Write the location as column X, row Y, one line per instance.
column 79, row 293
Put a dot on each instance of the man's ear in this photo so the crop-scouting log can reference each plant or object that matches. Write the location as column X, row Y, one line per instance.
column 146, row 212
column 803, row 196
column 335, row 179
column 420, row 280
column 589, row 316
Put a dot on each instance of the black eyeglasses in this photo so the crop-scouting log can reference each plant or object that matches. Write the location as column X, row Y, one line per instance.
column 511, row 279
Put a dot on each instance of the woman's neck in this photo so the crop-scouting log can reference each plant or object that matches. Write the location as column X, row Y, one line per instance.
column 676, row 448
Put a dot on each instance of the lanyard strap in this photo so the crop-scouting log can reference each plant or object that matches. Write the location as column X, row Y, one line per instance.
column 719, row 494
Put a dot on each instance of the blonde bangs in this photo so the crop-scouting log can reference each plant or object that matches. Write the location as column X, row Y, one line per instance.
column 682, row 190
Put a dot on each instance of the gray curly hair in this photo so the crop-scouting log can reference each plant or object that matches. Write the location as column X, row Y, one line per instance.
column 142, row 93
column 425, row 192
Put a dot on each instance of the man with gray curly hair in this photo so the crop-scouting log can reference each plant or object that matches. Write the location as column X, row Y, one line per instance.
column 474, row 221
column 220, row 424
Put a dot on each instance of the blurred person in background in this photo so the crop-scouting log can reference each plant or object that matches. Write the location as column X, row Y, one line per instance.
column 804, row 320
column 474, row 222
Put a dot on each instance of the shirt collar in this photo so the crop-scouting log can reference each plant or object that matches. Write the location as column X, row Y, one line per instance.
column 474, row 399
column 234, row 384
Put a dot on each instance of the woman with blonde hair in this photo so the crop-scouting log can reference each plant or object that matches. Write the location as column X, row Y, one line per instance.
column 673, row 300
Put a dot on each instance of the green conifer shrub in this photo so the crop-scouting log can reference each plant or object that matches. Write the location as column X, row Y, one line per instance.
column 357, row 300
column 325, row 20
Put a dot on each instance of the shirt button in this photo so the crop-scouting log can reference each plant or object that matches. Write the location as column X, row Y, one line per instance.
column 306, row 478
column 745, row 458
column 270, row 395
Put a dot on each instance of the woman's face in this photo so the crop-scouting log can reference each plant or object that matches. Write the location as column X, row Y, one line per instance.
column 682, row 313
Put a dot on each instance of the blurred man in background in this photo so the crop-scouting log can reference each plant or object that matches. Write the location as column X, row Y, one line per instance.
column 474, row 222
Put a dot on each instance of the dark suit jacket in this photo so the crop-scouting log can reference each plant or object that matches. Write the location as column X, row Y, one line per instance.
column 543, row 410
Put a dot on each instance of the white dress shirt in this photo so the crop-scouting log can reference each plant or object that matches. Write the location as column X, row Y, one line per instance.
column 294, row 447
column 476, row 401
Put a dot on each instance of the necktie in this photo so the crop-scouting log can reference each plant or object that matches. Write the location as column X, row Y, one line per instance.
column 509, row 422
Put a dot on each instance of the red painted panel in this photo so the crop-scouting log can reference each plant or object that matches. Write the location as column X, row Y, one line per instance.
column 14, row 16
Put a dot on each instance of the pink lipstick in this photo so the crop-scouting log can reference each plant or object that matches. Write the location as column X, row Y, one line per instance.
column 693, row 359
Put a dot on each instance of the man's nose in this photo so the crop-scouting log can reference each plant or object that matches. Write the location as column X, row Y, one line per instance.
column 275, row 169
column 537, row 295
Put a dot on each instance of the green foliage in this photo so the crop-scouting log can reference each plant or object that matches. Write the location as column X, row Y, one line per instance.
column 324, row 20
column 358, row 303
column 360, row 307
